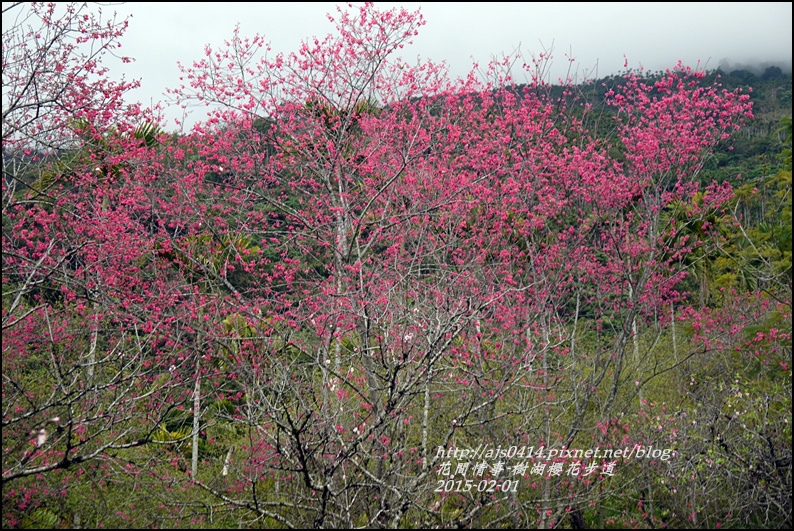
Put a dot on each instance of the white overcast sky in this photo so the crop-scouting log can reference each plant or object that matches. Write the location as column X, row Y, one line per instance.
column 654, row 35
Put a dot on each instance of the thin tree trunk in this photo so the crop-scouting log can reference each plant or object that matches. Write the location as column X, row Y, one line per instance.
column 89, row 373
column 545, row 508
column 636, row 340
column 196, row 409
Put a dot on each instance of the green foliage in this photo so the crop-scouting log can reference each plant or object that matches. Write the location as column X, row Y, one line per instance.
column 163, row 435
column 41, row 518
column 207, row 254
column 757, row 253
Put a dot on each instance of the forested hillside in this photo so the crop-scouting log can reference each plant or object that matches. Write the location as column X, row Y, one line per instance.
column 363, row 294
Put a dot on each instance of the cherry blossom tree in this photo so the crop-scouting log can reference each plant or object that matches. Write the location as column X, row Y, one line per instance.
column 79, row 333
column 425, row 239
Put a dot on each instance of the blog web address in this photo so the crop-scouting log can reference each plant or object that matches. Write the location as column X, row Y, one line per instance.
column 487, row 451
